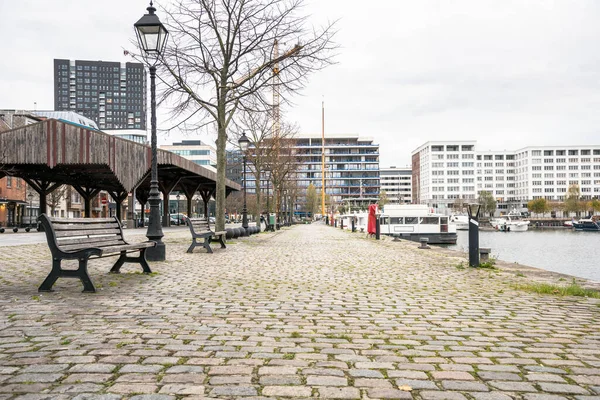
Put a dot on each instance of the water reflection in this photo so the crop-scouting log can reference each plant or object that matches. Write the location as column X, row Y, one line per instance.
column 564, row 251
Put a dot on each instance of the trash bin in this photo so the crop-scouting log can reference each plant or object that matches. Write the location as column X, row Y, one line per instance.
column 272, row 219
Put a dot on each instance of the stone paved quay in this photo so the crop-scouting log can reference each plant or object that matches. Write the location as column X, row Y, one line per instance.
column 309, row 311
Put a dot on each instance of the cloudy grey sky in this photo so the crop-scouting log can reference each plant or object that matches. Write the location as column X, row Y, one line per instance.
column 505, row 73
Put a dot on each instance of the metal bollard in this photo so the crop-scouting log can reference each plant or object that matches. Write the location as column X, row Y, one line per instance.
column 353, row 226
column 377, row 229
column 424, row 241
column 341, row 224
column 484, row 254
column 473, row 211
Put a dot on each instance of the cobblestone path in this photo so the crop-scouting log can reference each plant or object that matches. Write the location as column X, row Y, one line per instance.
column 309, row 311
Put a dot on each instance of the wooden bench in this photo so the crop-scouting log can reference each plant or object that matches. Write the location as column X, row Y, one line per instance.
column 82, row 238
column 201, row 229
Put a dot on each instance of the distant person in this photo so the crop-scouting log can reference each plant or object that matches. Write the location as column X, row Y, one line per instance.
column 371, row 223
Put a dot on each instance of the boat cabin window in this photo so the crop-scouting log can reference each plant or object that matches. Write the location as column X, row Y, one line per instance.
column 431, row 220
column 384, row 220
column 397, row 220
column 411, row 220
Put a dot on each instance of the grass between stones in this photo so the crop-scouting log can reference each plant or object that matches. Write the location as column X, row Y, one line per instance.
column 572, row 289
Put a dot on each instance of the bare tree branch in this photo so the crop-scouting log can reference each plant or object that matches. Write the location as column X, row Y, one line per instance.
column 220, row 62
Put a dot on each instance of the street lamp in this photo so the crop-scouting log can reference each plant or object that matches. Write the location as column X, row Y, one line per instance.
column 285, row 207
column 244, row 142
column 152, row 36
column 178, row 220
column 30, row 197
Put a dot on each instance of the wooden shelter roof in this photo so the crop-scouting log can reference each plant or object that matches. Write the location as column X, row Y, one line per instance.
column 61, row 152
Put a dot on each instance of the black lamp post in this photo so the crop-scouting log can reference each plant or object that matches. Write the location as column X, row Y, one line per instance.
column 244, row 142
column 178, row 220
column 285, row 207
column 30, row 197
column 152, row 36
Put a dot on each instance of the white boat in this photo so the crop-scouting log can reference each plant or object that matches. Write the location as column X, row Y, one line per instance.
column 461, row 222
column 511, row 222
column 413, row 222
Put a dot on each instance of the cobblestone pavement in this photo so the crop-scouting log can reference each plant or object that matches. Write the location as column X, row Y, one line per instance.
column 308, row 311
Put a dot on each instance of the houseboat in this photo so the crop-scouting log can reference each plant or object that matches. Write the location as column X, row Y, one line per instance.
column 411, row 221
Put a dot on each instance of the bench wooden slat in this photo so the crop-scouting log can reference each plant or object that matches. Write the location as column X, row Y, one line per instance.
column 89, row 233
column 86, row 227
column 70, row 248
column 125, row 247
column 85, row 239
column 59, row 220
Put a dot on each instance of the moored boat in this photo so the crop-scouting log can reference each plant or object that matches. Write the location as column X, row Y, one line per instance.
column 413, row 222
column 587, row 224
column 511, row 222
column 461, row 222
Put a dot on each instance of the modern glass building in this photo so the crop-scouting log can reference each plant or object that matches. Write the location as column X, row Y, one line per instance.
column 351, row 169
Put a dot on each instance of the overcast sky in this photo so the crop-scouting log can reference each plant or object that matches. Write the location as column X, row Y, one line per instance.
column 508, row 74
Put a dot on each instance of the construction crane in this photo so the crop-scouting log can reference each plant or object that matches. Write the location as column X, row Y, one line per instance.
column 277, row 83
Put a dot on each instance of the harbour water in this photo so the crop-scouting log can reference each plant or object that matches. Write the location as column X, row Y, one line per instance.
column 559, row 250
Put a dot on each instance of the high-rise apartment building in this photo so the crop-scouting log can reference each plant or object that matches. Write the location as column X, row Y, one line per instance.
column 112, row 94
column 351, row 168
column 397, row 184
column 446, row 171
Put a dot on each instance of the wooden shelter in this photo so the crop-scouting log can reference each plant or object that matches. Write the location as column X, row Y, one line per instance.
column 52, row 153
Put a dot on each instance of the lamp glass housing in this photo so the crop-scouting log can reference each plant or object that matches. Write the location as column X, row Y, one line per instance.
column 151, row 33
column 244, row 142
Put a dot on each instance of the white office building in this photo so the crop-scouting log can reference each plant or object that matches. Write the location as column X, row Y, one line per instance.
column 446, row 171
column 195, row 151
column 397, row 184
column 443, row 172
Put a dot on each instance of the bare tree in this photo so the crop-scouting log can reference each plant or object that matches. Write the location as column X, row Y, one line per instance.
column 55, row 198
column 258, row 127
column 282, row 162
column 222, row 58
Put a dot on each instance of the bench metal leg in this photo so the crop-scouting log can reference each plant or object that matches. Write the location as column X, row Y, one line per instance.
column 192, row 246
column 207, row 244
column 58, row 272
column 141, row 259
column 221, row 239
column 46, row 286
column 88, row 286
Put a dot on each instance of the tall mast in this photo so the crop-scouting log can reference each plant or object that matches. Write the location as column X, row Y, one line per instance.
column 276, row 83
column 323, row 158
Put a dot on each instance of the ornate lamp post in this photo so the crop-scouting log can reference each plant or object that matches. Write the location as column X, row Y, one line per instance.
column 152, row 36
column 178, row 220
column 285, row 207
column 244, row 142
column 30, row 197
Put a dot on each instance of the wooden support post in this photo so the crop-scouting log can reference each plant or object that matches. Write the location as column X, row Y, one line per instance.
column 119, row 198
column 88, row 194
column 166, row 188
column 206, row 194
column 43, row 189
